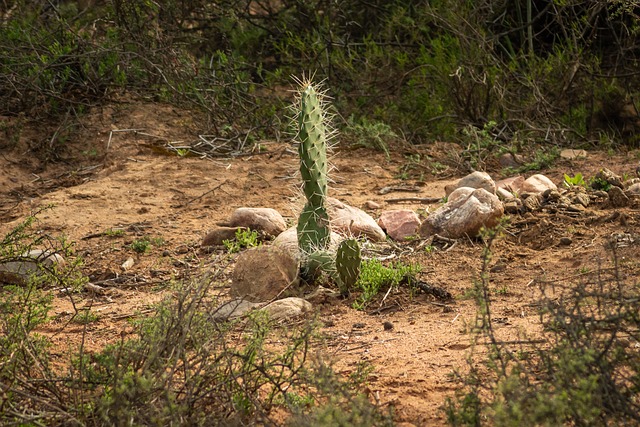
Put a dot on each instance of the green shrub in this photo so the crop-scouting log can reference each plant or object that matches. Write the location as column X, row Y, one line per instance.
column 578, row 372
column 375, row 277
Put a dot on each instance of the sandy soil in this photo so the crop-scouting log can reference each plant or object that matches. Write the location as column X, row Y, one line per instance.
column 114, row 178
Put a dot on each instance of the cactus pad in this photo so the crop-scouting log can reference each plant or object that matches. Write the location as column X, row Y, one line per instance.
column 348, row 262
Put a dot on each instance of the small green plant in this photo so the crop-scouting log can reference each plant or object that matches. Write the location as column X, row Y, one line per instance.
column 575, row 180
column 140, row 245
column 598, row 183
column 375, row 277
column 245, row 238
column 114, row 232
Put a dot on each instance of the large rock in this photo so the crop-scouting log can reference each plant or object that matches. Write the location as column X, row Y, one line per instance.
column 351, row 221
column 282, row 309
column 509, row 187
column 465, row 213
column 537, row 184
column 287, row 308
column 264, row 273
column 475, row 179
column 34, row 262
column 263, row 219
column 218, row 235
column 399, row 224
column 288, row 240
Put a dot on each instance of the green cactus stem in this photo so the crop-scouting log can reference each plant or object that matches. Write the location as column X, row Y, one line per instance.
column 313, row 224
column 348, row 262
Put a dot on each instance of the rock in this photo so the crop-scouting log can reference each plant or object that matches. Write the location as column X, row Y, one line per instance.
column 370, row 204
column 263, row 219
column 233, row 309
column 510, row 160
column 617, row 197
column 287, row 308
column 537, row 184
column 634, row 189
column 350, row 221
column 322, row 294
column 512, row 186
column 604, row 175
column 565, row 241
column 128, row 264
column 466, row 212
column 34, row 262
column 532, row 202
column 219, row 234
column 399, row 224
column 571, row 154
column 512, row 206
column 264, row 273
column 288, row 240
column 579, row 198
column 476, row 179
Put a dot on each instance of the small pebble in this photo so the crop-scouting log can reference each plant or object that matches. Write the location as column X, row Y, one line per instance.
column 565, row 241
column 387, row 326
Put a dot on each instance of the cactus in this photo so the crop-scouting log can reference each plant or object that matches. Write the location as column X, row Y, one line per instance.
column 348, row 262
column 314, row 232
column 313, row 225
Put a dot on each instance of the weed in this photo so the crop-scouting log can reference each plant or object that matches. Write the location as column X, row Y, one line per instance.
column 114, row 232
column 374, row 277
column 245, row 238
column 140, row 245
column 598, row 183
column 575, row 180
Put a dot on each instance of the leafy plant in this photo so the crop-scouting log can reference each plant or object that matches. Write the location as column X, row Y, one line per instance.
column 140, row 245
column 245, row 238
column 375, row 277
column 575, row 180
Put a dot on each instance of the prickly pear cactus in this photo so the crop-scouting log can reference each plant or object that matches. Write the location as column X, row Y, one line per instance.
column 313, row 224
column 348, row 262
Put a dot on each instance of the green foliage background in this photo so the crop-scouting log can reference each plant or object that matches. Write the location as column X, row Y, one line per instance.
column 560, row 71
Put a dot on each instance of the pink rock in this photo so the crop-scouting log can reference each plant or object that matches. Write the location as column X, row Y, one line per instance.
column 264, row 219
column 399, row 224
column 466, row 212
column 512, row 186
column 351, row 221
column 538, row 184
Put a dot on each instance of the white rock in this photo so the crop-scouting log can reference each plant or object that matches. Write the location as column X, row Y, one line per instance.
column 350, row 221
column 476, row 179
column 33, row 262
column 287, row 308
column 465, row 213
column 264, row 219
column 538, row 184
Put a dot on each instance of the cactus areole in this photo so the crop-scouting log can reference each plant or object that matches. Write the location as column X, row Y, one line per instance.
column 313, row 224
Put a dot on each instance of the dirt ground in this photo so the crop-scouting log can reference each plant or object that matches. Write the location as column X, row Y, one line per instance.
column 117, row 176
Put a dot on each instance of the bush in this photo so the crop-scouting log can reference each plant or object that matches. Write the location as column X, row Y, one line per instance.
column 181, row 367
column 579, row 372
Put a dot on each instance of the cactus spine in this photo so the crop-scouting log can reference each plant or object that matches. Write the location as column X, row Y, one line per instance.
column 313, row 224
